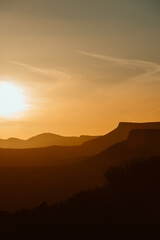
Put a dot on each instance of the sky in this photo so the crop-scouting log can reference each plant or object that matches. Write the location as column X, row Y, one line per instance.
column 83, row 66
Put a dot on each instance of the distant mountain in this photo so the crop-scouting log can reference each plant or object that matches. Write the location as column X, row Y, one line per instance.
column 29, row 186
column 44, row 140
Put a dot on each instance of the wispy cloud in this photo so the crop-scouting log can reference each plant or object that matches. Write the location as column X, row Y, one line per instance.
column 149, row 68
column 51, row 73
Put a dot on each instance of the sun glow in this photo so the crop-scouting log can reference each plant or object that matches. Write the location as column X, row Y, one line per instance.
column 11, row 100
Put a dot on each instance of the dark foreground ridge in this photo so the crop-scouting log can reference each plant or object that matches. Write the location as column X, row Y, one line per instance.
column 125, row 208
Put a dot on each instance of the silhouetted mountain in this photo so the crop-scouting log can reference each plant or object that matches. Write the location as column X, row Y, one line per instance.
column 91, row 145
column 141, row 143
column 63, row 155
column 126, row 208
column 29, row 186
column 44, row 140
column 119, row 134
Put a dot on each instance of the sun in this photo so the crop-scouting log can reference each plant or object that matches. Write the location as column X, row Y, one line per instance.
column 11, row 100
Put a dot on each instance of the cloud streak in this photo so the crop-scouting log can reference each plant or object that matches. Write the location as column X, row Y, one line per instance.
column 51, row 73
column 149, row 68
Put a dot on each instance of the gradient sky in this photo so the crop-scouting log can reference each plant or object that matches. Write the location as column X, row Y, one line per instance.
column 83, row 65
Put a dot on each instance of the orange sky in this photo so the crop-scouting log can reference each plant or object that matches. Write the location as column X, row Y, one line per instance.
column 82, row 66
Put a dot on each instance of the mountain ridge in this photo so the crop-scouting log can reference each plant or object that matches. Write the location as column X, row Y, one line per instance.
column 141, row 143
column 93, row 144
column 44, row 140
column 64, row 155
column 120, row 133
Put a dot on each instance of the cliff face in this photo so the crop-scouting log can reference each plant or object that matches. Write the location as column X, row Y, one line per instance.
column 144, row 136
column 119, row 134
column 141, row 143
column 130, row 125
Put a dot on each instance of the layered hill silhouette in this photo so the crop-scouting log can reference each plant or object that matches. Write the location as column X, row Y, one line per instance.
column 44, row 140
column 64, row 155
column 29, row 186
